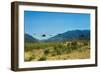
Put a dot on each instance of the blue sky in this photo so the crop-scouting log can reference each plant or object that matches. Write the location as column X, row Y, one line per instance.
column 53, row 23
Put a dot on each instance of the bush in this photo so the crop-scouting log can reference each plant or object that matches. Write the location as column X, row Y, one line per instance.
column 46, row 51
column 43, row 58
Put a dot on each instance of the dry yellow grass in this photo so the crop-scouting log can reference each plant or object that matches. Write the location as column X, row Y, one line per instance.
column 33, row 55
column 73, row 55
column 58, row 51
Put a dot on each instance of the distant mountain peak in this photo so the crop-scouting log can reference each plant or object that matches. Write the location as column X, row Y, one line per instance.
column 29, row 38
column 71, row 35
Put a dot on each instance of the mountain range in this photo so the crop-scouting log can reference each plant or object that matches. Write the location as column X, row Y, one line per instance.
column 69, row 35
column 29, row 38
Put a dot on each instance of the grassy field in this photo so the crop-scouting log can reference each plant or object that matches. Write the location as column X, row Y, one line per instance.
column 41, row 51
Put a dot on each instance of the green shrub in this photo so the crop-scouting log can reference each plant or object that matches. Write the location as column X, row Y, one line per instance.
column 46, row 51
column 43, row 58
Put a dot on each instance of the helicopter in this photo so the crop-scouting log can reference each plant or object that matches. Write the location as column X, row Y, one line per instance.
column 43, row 35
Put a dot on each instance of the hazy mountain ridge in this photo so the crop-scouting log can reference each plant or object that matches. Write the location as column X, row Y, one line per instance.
column 29, row 38
column 69, row 35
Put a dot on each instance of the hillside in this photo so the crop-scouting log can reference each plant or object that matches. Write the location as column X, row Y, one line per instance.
column 71, row 35
column 29, row 38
